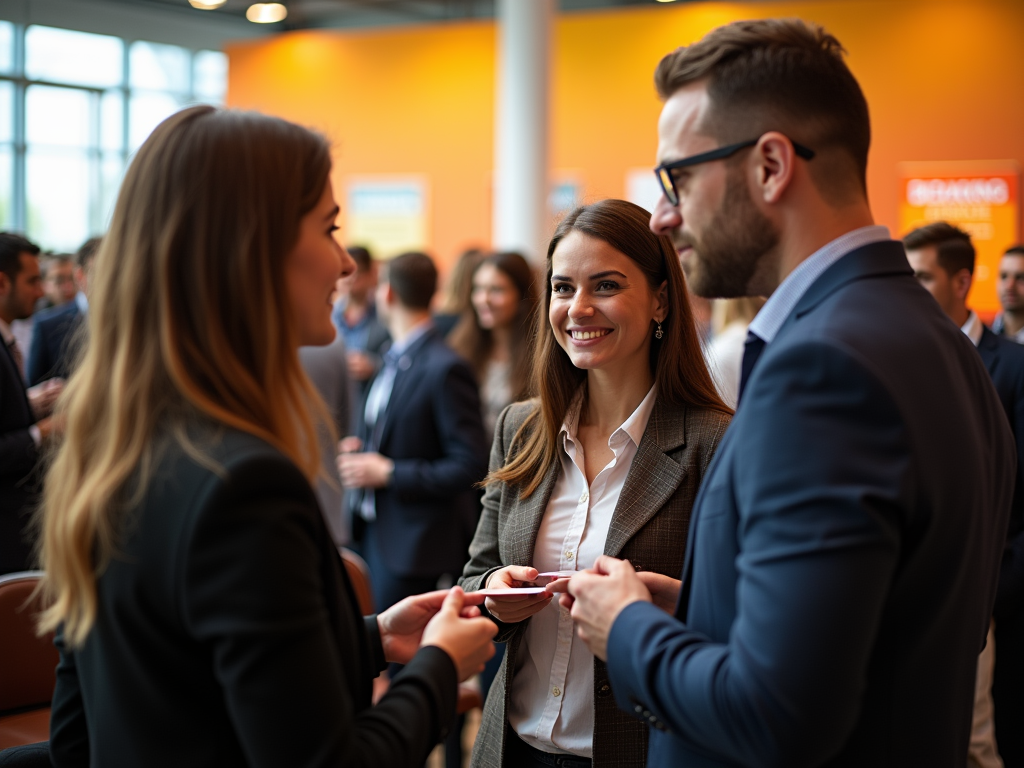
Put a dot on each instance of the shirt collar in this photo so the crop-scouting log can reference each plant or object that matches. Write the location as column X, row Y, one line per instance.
column 6, row 333
column 783, row 301
column 82, row 301
column 417, row 333
column 973, row 328
column 633, row 427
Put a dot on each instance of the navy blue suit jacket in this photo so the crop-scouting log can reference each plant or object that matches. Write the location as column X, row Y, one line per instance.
column 433, row 431
column 843, row 551
column 53, row 333
column 1005, row 362
column 18, row 454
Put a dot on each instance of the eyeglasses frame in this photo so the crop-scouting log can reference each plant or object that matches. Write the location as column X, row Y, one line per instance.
column 664, row 171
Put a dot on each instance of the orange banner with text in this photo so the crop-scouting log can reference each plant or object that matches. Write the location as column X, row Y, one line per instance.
column 982, row 198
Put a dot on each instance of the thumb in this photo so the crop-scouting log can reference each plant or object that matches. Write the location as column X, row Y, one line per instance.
column 453, row 602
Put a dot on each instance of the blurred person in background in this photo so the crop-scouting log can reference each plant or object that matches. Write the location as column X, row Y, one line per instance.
column 57, row 271
column 1010, row 289
column 724, row 352
column 58, row 280
column 419, row 449
column 456, row 300
column 57, row 334
column 496, row 332
column 327, row 369
column 942, row 257
column 355, row 317
column 203, row 615
column 24, row 420
column 607, row 460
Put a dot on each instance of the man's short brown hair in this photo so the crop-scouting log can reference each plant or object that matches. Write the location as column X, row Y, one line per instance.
column 783, row 75
column 953, row 248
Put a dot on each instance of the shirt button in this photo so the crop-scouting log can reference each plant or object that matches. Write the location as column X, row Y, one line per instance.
column 568, row 555
column 584, row 497
column 556, row 691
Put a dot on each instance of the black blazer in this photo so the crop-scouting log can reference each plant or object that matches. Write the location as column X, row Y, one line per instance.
column 227, row 634
column 844, row 546
column 18, row 454
column 432, row 430
column 54, row 333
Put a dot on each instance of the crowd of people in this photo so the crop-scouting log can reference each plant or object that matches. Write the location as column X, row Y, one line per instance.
column 798, row 543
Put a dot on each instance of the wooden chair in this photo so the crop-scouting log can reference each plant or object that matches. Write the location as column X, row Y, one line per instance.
column 28, row 664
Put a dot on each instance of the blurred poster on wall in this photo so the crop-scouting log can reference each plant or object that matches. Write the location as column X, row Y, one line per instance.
column 387, row 214
column 642, row 188
column 981, row 197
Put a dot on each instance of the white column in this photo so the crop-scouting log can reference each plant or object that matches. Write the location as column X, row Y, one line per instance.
column 521, row 221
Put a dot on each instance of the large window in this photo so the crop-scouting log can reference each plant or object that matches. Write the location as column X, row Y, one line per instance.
column 73, row 107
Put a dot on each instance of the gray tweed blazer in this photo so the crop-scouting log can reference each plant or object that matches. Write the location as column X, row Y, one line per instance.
column 648, row 527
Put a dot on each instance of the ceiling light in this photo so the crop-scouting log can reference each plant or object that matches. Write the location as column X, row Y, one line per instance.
column 266, row 13
column 206, row 5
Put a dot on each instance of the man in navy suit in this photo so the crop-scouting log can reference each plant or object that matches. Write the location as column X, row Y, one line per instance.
column 844, row 548
column 420, row 448
column 21, row 431
column 57, row 330
column 942, row 258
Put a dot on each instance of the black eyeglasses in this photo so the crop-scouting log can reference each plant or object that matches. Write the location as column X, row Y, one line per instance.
column 668, row 181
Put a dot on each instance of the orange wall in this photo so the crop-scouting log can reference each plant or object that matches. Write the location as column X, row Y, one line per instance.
column 943, row 79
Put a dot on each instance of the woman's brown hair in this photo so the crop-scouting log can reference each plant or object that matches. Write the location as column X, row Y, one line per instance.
column 476, row 344
column 677, row 362
column 188, row 321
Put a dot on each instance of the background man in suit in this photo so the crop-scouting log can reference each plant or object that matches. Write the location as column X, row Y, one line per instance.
column 22, row 431
column 355, row 317
column 843, row 551
column 942, row 258
column 420, row 447
column 327, row 368
column 1010, row 287
column 56, row 330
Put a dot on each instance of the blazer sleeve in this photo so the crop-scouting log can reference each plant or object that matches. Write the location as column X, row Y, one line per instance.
column 820, row 533
column 18, row 451
column 484, row 554
column 38, row 364
column 254, row 594
column 461, row 433
column 69, row 735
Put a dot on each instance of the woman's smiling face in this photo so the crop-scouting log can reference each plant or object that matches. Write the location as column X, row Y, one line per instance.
column 602, row 310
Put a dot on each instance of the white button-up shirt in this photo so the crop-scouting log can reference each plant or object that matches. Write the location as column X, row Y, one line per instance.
column 552, row 697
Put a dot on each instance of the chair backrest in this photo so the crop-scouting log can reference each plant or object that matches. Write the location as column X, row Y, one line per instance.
column 359, row 575
column 28, row 663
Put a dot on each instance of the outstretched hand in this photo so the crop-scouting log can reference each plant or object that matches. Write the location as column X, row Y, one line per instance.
column 401, row 625
column 597, row 596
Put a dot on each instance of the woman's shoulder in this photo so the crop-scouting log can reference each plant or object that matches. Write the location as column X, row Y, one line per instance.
column 207, row 461
column 515, row 414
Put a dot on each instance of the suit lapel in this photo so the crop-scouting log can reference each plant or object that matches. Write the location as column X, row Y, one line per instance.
column 691, row 536
column 15, row 376
column 988, row 348
column 411, row 359
column 653, row 476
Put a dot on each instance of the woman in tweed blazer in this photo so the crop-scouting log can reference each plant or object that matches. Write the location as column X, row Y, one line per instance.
column 616, row 345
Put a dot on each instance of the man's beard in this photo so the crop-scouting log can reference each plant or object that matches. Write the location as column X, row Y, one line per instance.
column 728, row 252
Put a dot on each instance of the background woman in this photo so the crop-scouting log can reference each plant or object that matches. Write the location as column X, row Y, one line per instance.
column 496, row 333
column 606, row 461
column 204, row 616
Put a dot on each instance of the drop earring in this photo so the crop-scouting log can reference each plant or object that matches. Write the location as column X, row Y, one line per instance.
column 658, row 333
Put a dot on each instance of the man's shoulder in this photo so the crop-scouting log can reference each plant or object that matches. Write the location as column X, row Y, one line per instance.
column 53, row 317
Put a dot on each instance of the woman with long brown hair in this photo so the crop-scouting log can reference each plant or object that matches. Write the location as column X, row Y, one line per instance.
column 607, row 460
column 496, row 331
column 203, row 615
